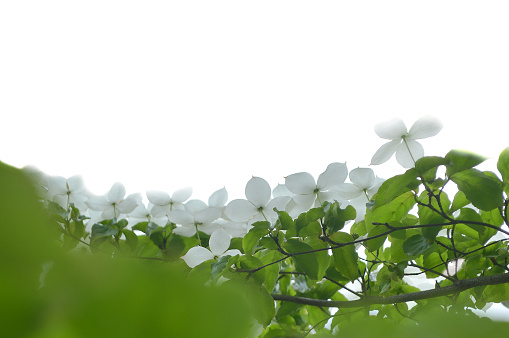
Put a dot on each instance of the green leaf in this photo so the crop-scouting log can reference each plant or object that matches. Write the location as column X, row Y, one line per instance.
column 345, row 257
column 482, row 190
column 271, row 271
column 375, row 243
column 459, row 201
column 131, row 239
column 122, row 223
column 427, row 163
column 218, row 267
column 335, row 218
column 467, row 214
column 285, row 220
column 314, row 214
column 100, row 230
column 251, row 263
column 396, row 186
column 307, row 263
column 301, row 222
column 503, row 165
column 251, row 239
column 415, row 245
column 462, row 160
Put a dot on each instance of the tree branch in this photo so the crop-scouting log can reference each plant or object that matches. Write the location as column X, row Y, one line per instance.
column 458, row 286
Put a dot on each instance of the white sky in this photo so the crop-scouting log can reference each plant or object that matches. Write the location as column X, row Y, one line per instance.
column 167, row 94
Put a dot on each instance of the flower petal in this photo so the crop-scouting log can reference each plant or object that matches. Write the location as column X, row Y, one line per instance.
column 279, row 203
column 300, row 183
column 180, row 217
column 116, row 193
column 403, row 156
column 391, row 130
column 364, row 178
column 196, row 256
column 232, row 252
column 75, row 184
column 219, row 198
column 185, row 230
column 384, row 153
column 194, row 206
column 240, row 210
column 126, row 206
column 57, row 185
column 335, row 174
column 281, row 190
column 181, row 195
column 159, row 197
column 97, row 203
column 349, row 191
column 219, row 242
column 258, row 191
column 208, row 215
column 424, row 127
column 303, row 202
column 208, row 228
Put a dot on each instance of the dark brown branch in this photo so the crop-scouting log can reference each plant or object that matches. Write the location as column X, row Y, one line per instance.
column 458, row 286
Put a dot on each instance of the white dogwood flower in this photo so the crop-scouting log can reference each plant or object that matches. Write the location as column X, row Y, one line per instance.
column 65, row 191
column 113, row 203
column 163, row 201
column 364, row 185
column 307, row 192
column 196, row 216
column 259, row 206
column 219, row 243
column 404, row 143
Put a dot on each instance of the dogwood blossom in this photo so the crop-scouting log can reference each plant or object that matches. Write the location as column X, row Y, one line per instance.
column 144, row 213
column 404, row 143
column 113, row 204
column 364, row 185
column 307, row 191
column 65, row 191
column 259, row 206
column 219, row 243
column 196, row 216
column 163, row 201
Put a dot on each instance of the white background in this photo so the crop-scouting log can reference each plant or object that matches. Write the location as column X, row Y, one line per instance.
column 161, row 95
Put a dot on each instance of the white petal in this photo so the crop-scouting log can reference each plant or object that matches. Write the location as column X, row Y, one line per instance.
column 300, row 183
column 281, row 190
column 374, row 189
column 391, row 130
column 194, row 206
column 208, row 215
column 329, row 196
column 196, row 256
column 219, row 198
column 116, row 193
column 279, row 203
column 240, row 210
column 424, row 127
column 97, row 203
column 235, row 229
column 158, row 197
column 233, row 252
column 57, row 185
column 349, row 191
column 304, row 202
column 258, row 191
column 219, row 242
column 364, row 178
column 385, row 152
column 185, row 230
column 180, row 217
column 127, row 205
column 335, row 174
column 208, row 228
column 403, row 156
column 75, row 184
column 181, row 195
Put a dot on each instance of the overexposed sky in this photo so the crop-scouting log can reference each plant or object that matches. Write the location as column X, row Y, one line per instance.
column 161, row 95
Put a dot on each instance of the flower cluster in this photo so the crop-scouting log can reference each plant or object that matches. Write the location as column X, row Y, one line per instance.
column 222, row 220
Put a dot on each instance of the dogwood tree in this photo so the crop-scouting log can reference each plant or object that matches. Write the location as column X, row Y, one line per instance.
column 412, row 253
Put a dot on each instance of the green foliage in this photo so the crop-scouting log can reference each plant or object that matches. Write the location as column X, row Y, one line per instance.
column 289, row 273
